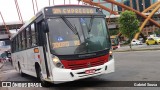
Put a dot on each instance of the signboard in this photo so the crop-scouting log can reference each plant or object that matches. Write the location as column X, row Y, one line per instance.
column 65, row 44
column 72, row 10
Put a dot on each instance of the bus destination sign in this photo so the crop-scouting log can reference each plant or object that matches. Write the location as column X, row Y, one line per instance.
column 74, row 10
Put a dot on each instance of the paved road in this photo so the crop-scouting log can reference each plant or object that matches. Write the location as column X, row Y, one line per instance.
column 130, row 66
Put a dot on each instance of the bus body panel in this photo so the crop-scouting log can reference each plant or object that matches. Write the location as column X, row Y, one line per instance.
column 27, row 59
column 21, row 58
column 64, row 75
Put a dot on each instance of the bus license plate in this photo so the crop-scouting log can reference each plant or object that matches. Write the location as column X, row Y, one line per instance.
column 90, row 71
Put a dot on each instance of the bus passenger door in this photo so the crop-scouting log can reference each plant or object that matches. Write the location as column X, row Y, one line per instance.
column 42, row 49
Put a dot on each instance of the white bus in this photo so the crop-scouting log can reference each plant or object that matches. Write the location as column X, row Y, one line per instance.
column 63, row 43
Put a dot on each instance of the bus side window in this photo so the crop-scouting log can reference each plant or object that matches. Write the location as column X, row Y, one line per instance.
column 19, row 41
column 24, row 39
column 14, row 45
column 28, row 36
column 17, row 44
column 12, row 50
column 40, row 33
column 33, row 35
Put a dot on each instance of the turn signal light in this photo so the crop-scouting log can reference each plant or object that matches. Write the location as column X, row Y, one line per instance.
column 110, row 54
column 36, row 50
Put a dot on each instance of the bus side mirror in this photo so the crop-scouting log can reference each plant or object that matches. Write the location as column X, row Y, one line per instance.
column 45, row 27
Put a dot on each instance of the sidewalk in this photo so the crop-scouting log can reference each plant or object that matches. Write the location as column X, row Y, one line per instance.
column 138, row 48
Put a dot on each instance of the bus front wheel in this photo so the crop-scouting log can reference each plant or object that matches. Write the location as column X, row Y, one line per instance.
column 20, row 70
column 40, row 77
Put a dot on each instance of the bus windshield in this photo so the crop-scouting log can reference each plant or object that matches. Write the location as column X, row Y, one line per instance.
column 69, row 36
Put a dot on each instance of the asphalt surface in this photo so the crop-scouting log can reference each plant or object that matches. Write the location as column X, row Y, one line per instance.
column 129, row 66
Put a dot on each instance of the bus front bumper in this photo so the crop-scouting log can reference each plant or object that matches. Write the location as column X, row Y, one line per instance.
column 67, row 75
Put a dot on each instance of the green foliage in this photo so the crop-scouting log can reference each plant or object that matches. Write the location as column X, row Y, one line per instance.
column 113, row 32
column 128, row 24
column 157, row 32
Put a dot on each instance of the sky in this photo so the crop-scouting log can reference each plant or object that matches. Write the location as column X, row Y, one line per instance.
column 9, row 12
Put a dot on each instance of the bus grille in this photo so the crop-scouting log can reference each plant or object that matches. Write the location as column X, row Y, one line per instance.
column 85, row 63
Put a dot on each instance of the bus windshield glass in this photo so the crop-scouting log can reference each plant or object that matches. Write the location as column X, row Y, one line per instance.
column 69, row 36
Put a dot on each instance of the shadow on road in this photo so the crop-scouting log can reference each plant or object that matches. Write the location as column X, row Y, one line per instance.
column 88, row 82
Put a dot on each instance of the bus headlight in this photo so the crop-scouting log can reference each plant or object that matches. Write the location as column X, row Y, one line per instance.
column 57, row 62
column 110, row 55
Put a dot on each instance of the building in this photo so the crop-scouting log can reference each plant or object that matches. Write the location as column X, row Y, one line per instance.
column 108, row 5
column 139, row 5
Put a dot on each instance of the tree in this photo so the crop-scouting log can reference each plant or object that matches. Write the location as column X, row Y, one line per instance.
column 128, row 24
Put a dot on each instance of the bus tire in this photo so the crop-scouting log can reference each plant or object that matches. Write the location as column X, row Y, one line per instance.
column 40, row 77
column 20, row 70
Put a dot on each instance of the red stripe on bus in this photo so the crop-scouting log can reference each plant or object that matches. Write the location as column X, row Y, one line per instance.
column 85, row 63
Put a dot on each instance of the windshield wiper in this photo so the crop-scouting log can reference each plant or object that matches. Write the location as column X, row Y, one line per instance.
column 68, row 23
column 73, row 28
column 90, row 24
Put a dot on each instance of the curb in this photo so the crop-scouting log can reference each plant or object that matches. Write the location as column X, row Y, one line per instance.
column 128, row 50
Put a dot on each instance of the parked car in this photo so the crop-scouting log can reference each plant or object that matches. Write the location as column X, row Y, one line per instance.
column 136, row 42
column 153, row 40
column 157, row 39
